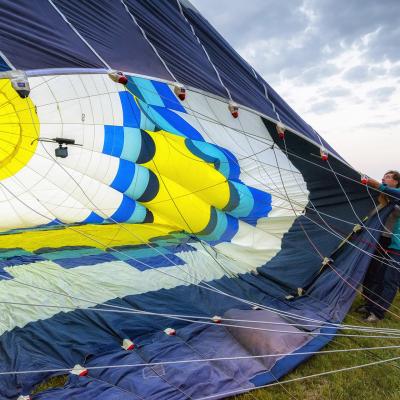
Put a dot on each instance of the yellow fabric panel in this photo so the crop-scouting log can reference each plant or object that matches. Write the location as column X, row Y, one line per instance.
column 188, row 185
column 19, row 129
column 186, row 211
column 100, row 236
column 174, row 161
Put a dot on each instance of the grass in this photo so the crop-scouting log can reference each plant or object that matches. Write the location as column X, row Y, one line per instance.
column 369, row 383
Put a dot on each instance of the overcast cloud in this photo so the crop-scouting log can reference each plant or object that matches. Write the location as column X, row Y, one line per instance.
column 337, row 63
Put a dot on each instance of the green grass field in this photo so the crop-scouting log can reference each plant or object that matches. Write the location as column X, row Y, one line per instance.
column 369, row 383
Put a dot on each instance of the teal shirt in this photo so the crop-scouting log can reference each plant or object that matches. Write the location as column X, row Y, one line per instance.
column 395, row 193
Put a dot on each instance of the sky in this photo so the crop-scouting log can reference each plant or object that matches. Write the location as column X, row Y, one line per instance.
column 336, row 63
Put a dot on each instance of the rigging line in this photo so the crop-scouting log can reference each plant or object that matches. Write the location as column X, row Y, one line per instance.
column 377, row 211
column 270, row 189
column 296, row 179
column 333, row 230
column 226, row 127
column 361, row 293
column 163, row 96
column 330, row 232
column 352, row 209
column 199, row 319
column 83, row 173
column 207, row 286
column 128, row 257
column 215, row 365
column 148, row 40
column 201, row 360
column 301, row 224
column 370, row 353
column 209, row 118
column 256, row 138
column 205, row 51
column 302, row 378
column 335, row 234
column 306, row 160
column 257, row 159
column 177, row 388
column 358, row 218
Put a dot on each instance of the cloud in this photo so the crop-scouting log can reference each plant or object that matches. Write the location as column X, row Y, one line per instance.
column 382, row 124
column 338, row 91
column 382, row 93
column 287, row 38
column 323, row 106
column 357, row 74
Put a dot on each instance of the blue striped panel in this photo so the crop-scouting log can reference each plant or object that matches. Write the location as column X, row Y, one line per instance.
column 85, row 260
column 168, row 97
column 157, row 120
column 155, row 262
column 221, row 224
column 132, row 144
column 143, row 252
column 72, row 253
column 234, row 167
column 130, row 110
column 262, row 206
column 132, row 88
column 148, row 91
column 93, row 218
column 7, row 253
column 20, row 260
column 138, row 215
column 139, row 182
column 148, row 125
column 124, row 176
column 246, row 202
column 232, row 226
column 125, row 210
column 210, row 154
column 113, row 140
column 179, row 125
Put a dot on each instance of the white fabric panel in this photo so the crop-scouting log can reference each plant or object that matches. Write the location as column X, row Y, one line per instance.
column 99, row 166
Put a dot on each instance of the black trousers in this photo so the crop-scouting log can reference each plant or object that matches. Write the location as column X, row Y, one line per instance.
column 382, row 280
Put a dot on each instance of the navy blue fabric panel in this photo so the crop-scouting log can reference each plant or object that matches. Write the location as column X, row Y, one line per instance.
column 20, row 260
column 298, row 262
column 33, row 36
column 80, row 388
column 168, row 260
column 85, row 260
column 171, row 35
column 110, row 30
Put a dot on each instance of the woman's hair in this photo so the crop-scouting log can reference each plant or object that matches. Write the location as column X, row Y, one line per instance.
column 396, row 176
